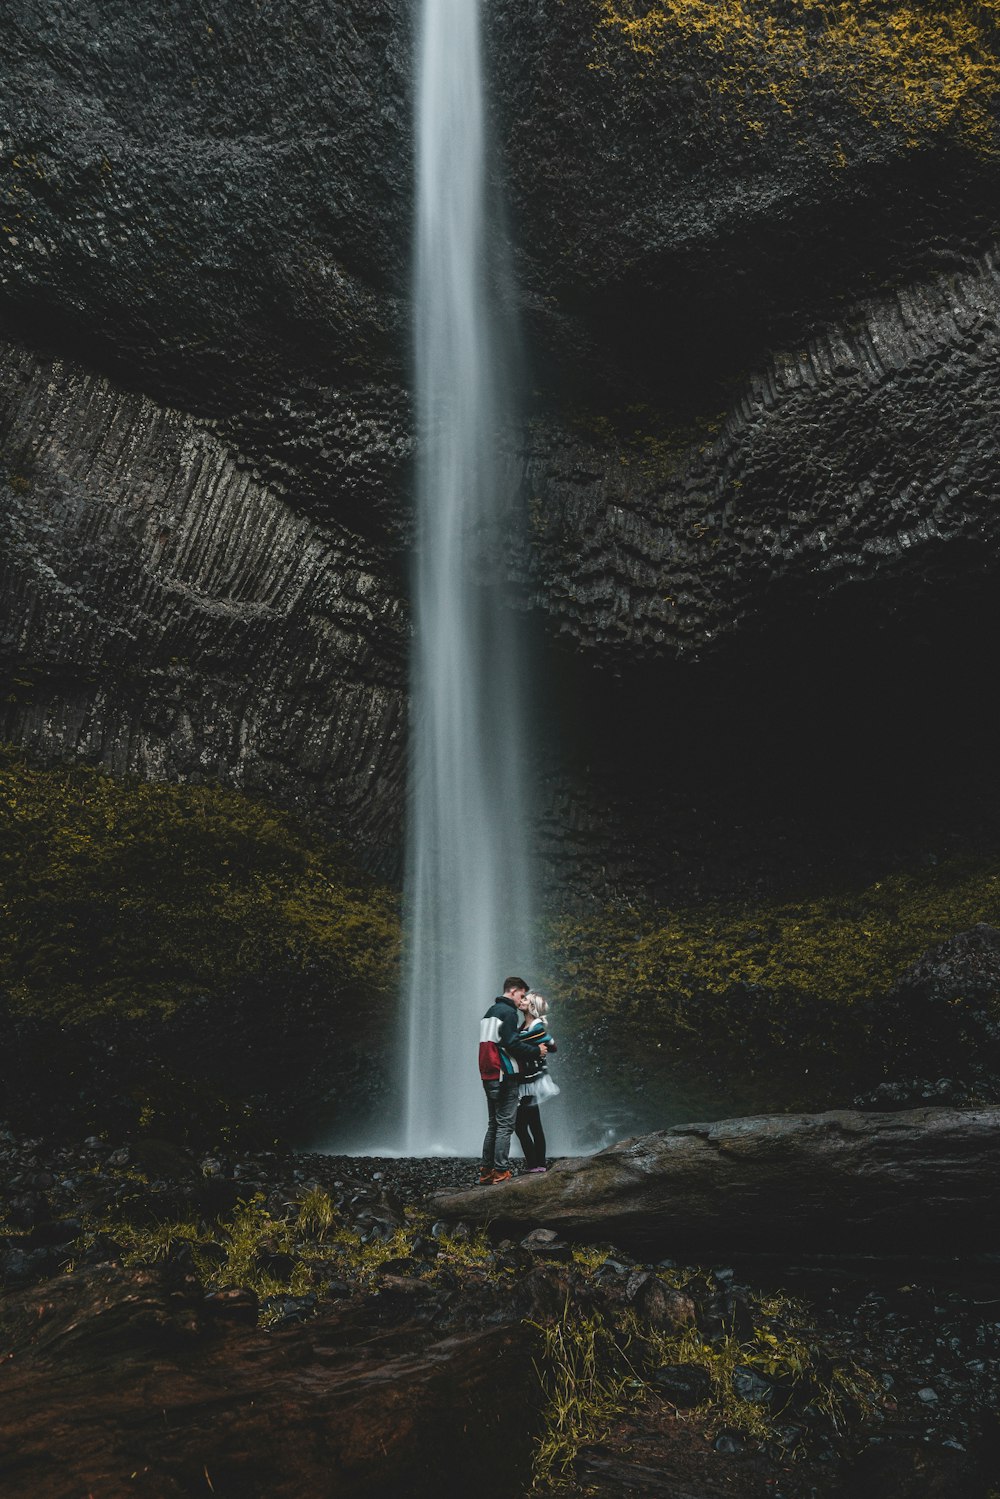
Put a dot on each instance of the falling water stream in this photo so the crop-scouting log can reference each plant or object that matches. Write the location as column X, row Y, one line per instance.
column 469, row 863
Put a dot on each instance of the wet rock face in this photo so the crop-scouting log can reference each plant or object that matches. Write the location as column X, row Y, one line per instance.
column 864, row 456
column 213, row 211
column 939, row 1027
column 689, row 187
column 774, row 299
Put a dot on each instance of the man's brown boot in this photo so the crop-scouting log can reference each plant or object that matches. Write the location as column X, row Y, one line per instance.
column 502, row 1176
column 486, row 1178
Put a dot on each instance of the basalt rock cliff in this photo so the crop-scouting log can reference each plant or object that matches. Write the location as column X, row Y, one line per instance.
column 755, row 274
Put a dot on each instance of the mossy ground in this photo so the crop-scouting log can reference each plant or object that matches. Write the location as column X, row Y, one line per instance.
column 131, row 898
column 594, row 1364
column 134, row 905
column 595, row 1369
column 294, row 1252
column 169, row 952
column 786, row 987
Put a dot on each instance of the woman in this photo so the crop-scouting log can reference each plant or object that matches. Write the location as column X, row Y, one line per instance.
column 537, row 1083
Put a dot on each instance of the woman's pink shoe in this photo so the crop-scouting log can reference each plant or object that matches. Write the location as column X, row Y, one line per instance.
column 536, row 1171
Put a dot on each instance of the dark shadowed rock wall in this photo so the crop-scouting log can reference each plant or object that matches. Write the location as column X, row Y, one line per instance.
column 204, row 426
column 756, row 274
column 169, row 614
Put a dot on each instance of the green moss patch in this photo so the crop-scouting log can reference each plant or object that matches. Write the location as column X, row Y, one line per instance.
column 756, row 980
column 128, row 898
column 918, row 68
column 293, row 1252
column 594, row 1371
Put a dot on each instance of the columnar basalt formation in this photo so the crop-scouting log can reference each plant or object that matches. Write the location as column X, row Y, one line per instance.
column 755, row 261
column 170, row 615
column 866, row 455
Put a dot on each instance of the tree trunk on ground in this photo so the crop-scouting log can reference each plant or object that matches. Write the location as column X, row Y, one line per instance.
column 921, row 1182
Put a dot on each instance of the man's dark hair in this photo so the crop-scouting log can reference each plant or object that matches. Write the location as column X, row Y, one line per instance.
column 513, row 983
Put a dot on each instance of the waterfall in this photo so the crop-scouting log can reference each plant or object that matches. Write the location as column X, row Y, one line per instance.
column 469, row 865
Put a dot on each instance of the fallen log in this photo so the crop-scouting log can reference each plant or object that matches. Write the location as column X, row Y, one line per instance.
column 131, row 1381
column 921, row 1182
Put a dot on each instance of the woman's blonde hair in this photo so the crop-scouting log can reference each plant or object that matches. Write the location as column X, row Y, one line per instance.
column 537, row 1004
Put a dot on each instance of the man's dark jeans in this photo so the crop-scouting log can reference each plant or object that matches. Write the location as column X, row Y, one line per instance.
column 501, row 1100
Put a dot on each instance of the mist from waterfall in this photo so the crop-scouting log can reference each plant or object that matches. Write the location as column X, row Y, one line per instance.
column 468, row 890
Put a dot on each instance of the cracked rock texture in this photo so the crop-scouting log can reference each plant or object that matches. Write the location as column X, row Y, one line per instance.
column 357, row 1402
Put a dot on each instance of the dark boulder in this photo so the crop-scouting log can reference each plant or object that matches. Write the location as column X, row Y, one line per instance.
column 657, row 1304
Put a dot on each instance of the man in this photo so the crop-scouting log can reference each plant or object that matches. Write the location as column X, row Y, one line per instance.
column 502, row 1055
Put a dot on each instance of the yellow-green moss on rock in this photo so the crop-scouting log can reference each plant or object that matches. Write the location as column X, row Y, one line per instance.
column 130, row 898
column 921, row 68
column 818, row 962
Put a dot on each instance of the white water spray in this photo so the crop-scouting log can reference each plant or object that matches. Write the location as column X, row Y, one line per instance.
column 468, row 896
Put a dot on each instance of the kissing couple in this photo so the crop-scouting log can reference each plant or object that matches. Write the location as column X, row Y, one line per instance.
column 514, row 1042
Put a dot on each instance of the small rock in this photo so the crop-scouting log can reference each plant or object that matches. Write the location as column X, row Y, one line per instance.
column 56, row 1232
column 104, row 1250
column 659, row 1305
column 290, row 1309
column 730, row 1442
column 14, row 1265
column 25, row 1211
column 544, row 1241
column 611, row 1267
column 512, row 1257
column 540, row 1238
column 402, row 1265
column 748, row 1384
column 276, row 1263
column 789, row 1436
column 684, row 1385
column 402, row 1285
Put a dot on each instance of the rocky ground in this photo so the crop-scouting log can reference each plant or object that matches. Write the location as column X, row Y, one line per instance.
column 281, row 1324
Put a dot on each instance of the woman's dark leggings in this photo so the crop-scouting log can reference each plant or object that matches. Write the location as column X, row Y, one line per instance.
column 529, row 1132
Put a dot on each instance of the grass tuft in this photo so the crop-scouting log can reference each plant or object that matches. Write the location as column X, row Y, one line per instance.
column 592, row 1374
